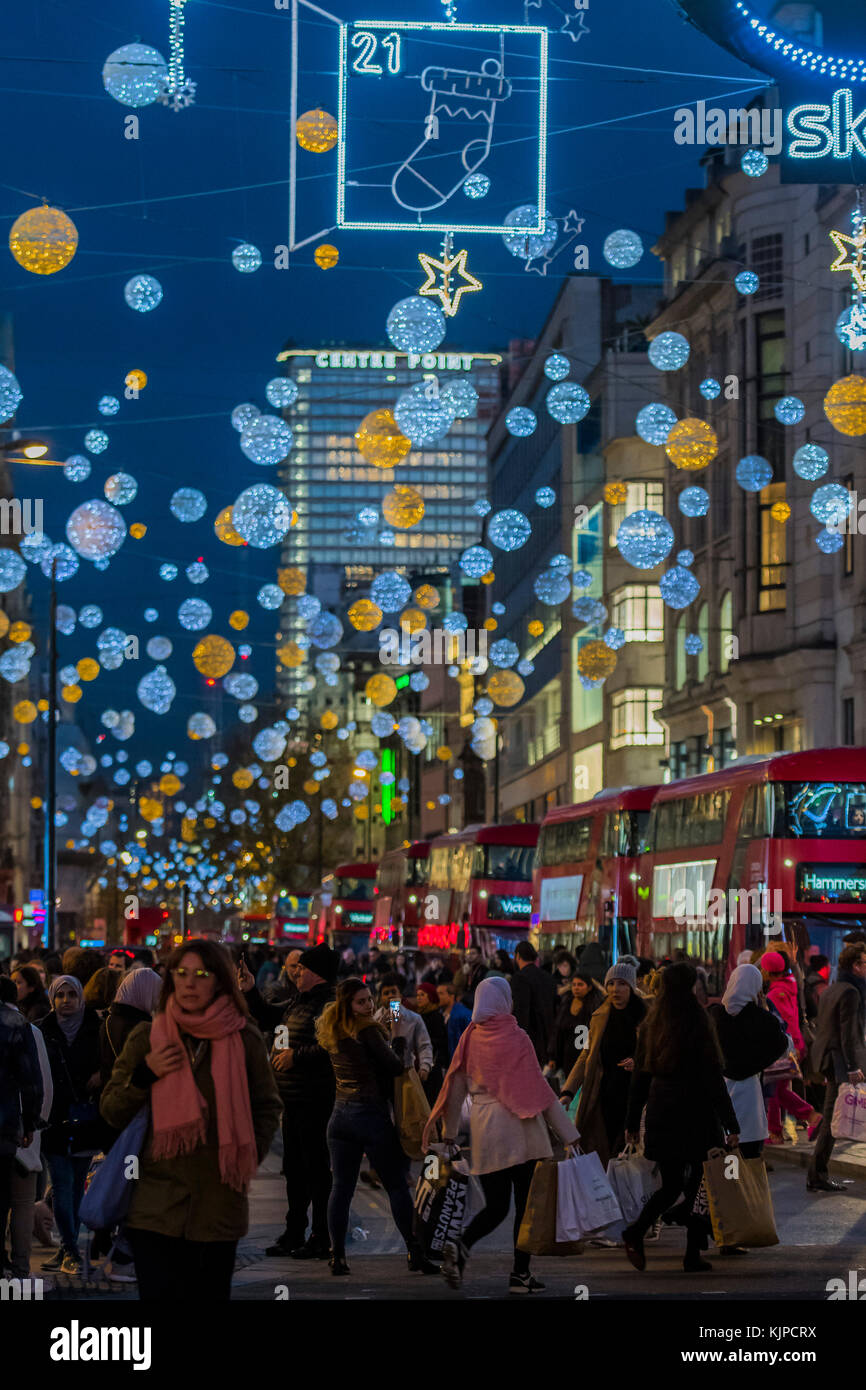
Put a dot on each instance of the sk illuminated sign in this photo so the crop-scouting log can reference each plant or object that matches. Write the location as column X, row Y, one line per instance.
column 821, row 130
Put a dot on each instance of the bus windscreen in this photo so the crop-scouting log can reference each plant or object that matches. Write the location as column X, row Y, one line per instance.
column 821, row 810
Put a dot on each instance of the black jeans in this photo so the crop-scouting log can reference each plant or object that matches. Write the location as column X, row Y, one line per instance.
column 359, row 1127
column 307, row 1168
column 820, row 1165
column 170, row 1269
column 678, row 1176
column 498, row 1188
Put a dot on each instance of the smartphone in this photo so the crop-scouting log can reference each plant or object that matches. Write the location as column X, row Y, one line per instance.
column 395, row 1009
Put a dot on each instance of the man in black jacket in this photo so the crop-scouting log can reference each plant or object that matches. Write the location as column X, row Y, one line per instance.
column 534, row 997
column 839, row 1051
column 305, row 1079
column 20, row 1098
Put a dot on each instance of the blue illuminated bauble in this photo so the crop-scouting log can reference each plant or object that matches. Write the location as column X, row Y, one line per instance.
column 96, row 530
column 655, row 422
column 382, row 724
column 15, row 665
column 498, row 609
column 481, row 507
column 261, row 515
column 11, row 394
column 90, row 615
column 521, row 421
column 61, row 560
column 669, row 351
column 693, row 644
column 246, row 258
column 754, row 163
column 197, row 572
column 694, row 501
column 415, row 325
column 366, row 759
column 326, row 630
column 545, row 497
column 281, row 392
column 589, row 610
column 308, row 606
column 159, row 648
column 830, row 504
column 269, row 745
column 385, row 537
column 96, row 441
column 710, row 388
column 368, row 516
column 243, row 415
column 525, row 244
column 851, row 326
column 266, row 440
column 329, row 808
column 390, row 591
column 622, row 249
column 556, row 367
column 475, row 561
column 476, row 186
column 270, row 596
column 461, row 398
column 156, row 690
column 76, row 468
column 142, row 293
column 685, row 557
column 508, row 529
column 551, row 587
column 581, row 579
column 789, row 410
column 188, row 504
column 567, row 402
column 829, row 541
column 458, row 622
column 418, row 681
column 753, row 473
column 240, row 686
column 678, row 586
column 504, row 653
column 810, row 462
column 135, row 75
column 247, row 714
column 150, row 615
column 108, row 405
column 747, row 281
column 168, row 571
column 421, row 418
column 120, row 489
column 614, row 638
column 588, row 683
column 32, row 547
column 197, row 726
column 645, row 538
column 194, row 614
column 12, row 570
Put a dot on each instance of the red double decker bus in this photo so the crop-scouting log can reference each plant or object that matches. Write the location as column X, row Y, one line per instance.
column 479, row 888
column 399, row 891
column 770, row 847
column 341, row 911
column 585, row 877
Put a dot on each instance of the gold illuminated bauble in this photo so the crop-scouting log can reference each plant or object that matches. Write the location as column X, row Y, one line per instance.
column 596, row 661
column 213, row 656
column 87, row 668
column 614, row 493
column 225, row 530
column 364, row 615
column 136, row 379
column 535, row 627
column 36, row 802
column 490, row 624
column 24, row 712
column 845, row 405
column 379, row 440
column 780, row 511
column 413, row 620
column 426, row 596
column 43, row 240
column 326, row 256
column 505, row 688
column 291, row 654
column 149, row 808
column 4, row 623
column 316, row 131
column 71, row 694
column 170, row 784
column 488, row 578
column 23, row 748
column 138, row 530
column 242, row 778
column 329, row 720
column 292, row 580
column 209, row 822
column 311, row 786
column 380, row 690
column 691, row 444
column 238, row 620
column 402, row 506
column 361, row 812
column 19, row 632
column 444, row 754
column 42, row 706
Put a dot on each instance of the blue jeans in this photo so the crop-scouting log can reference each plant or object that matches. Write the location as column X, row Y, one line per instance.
column 359, row 1127
column 68, row 1177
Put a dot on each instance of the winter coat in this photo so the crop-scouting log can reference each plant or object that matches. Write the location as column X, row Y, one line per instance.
column 458, row 1020
column 184, row 1196
column 561, row 1049
column 310, row 1077
column 438, row 1035
column 499, row 1138
column 839, row 1044
column 365, row 1066
column 688, row 1111
column 784, row 996
column 72, row 1066
column 35, row 1007
column 534, row 997
column 751, row 1040
column 114, row 1030
column 20, row 1080
column 588, row 1072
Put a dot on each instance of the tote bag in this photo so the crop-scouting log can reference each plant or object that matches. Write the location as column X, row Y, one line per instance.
column 537, row 1235
column 741, row 1209
column 585, row 1200
column 411, row 1112
column 849, row 1113
column 633, row 1179
column 109, row 1193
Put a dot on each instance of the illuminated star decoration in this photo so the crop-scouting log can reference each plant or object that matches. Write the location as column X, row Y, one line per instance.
column 855, row 265
column 447, row 266
column 178, row 91
column 572, row 226
column 575, row 26
column 854, row 331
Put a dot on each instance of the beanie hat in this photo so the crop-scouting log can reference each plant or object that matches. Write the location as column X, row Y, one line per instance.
column 429, row 990
column 322, row 961
column 774, row 963
column 622, row 971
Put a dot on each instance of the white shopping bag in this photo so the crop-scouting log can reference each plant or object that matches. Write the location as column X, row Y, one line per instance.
column 634, row 1179
column 585, row 1201
column 849, row 1113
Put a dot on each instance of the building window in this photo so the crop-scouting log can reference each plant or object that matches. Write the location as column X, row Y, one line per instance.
column 587, row 706
column 638, row 497
column 773, row 552
column 638, row 609
column 704, row 634
column 770, row 361
column 680, row 655
column 767, row 262
column 848, row 562
column 633, row 721
column 848, row 720
column 726, row 632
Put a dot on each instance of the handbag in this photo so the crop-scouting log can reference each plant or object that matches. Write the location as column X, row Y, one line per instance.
column 633, row 1179
column 849, row 1113
column 411, row 1112
column 537, row 1234
column 585, row 1200
column 109, row 1192
column 741, row 1209
column 785, row 1067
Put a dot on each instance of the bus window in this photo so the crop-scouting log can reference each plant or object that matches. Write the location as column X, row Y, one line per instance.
column 820, row 810
column 439, row 868
column 621, row 833
column 355, row 889
column 689, row 821
column 509, row 862
column 564, row 842
column 636, row 830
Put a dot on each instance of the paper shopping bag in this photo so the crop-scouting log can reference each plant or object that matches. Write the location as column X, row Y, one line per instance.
column 738, row 1194
column 585, row 1200
column 537, row 1235
column 411, row 1112
column 633, row 1179
column 849, row 1113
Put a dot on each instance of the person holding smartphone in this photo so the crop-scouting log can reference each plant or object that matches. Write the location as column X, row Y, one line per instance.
column 401, row 1022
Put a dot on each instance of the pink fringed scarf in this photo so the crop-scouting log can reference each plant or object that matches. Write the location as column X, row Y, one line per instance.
column 179, row 1109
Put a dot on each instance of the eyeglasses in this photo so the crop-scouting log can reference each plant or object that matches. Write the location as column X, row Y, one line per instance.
column 181, row 974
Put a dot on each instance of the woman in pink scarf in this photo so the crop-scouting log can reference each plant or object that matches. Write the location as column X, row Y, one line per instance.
column 512, row 1107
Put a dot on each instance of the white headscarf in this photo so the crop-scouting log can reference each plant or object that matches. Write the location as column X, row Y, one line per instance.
column 139, row 989
column 744, row 986
column 492, row 997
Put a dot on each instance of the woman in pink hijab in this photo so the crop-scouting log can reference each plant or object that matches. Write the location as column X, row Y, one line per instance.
column 513, row 1109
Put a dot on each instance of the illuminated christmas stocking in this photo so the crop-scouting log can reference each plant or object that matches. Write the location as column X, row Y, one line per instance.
column 457, row 134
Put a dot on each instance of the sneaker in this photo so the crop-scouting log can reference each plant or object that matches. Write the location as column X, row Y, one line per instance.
column 524, row 1283
column 56, row 1260
column 71, row 1263
column 454, row 1257
column 120, row 1274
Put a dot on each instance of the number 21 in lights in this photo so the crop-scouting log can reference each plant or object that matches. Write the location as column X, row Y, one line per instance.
column 367, row 43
